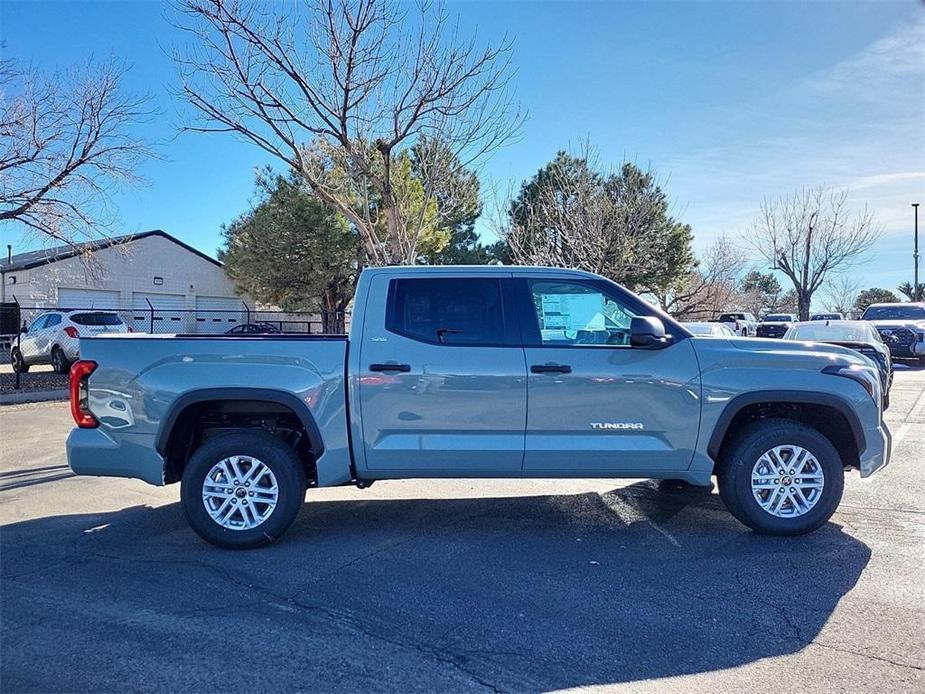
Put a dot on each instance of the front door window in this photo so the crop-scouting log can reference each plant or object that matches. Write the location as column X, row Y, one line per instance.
column 571, row 313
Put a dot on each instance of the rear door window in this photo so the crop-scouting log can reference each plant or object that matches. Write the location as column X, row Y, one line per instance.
column 449, row 311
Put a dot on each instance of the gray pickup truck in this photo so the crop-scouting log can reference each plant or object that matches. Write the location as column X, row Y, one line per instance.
column 479, row 372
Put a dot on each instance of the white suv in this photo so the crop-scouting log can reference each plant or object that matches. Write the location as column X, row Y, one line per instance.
column 54, row 338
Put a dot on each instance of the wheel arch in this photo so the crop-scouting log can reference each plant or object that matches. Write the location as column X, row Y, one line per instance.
column 203, row 396
column 831, row 415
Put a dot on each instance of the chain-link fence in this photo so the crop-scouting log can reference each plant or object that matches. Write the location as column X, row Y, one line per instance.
column 198, row 321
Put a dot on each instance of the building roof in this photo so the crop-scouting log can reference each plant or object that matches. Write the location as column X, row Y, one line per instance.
column 31, row 259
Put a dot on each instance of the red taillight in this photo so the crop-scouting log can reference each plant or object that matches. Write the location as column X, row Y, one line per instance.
column 80, row 405
column 71, row 331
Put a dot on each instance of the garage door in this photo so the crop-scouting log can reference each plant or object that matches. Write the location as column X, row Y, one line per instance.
column 216, row 314
column 168, row 315
column 87, row 298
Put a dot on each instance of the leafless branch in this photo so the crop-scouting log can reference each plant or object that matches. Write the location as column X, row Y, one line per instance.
column 65, row 146
column 810, row 235
column 336, row 89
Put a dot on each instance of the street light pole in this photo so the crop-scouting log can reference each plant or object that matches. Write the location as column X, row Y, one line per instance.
column 915, row 254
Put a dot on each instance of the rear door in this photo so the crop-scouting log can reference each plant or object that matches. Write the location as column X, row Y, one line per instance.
column 47, row 336
column 442, row 380
column 596, row 404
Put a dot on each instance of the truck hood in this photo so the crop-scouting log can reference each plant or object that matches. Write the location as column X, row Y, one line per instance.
column 825, row 352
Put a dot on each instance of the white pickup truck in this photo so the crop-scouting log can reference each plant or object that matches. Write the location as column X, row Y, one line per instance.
column 743, row 324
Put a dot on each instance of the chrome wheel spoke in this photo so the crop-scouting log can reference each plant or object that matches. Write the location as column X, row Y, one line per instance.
column 240, row 492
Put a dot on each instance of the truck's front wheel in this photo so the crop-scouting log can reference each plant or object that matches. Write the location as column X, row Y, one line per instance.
column 242, row 489
column 780, row 477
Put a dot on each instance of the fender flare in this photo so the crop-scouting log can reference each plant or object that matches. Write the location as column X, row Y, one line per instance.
column 259, row 394
column 801, row 397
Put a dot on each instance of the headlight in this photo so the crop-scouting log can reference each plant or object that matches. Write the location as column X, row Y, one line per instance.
column 865, row 375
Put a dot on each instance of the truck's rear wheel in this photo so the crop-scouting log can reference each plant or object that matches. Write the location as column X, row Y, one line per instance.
column 781, row 477
column 243, row 489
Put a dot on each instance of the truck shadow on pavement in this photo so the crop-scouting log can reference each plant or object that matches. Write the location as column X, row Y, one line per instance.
column 520, row 593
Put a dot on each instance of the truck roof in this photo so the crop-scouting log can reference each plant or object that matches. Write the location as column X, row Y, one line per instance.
column 504, row 270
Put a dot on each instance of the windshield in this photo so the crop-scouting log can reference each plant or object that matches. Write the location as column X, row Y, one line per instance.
column 95, row 319
column 833, row 332
column 728, row 317
column 826, row 316
column 894, row 313
column 778, row 318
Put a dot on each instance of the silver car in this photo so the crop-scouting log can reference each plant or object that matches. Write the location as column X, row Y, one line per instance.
column 54, row 338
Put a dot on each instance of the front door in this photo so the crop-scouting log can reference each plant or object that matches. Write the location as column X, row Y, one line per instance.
column 596, row 404
column 442, row 380
column 28, row 341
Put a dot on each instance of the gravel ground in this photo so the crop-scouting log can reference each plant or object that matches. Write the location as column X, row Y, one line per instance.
column 31, row 382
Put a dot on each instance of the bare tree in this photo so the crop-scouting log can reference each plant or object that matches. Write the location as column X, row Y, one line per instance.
column 810, row 235
column 840, row 293
column 65, row 144
column 710, row 288
column 339, row 89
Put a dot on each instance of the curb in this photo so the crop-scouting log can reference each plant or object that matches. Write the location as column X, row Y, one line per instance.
column 33, row 396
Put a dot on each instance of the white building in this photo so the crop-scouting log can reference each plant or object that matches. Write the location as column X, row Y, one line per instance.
column 157, row 281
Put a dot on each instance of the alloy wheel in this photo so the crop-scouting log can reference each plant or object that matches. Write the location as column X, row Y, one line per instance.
column 240, row 492
column 787, row 481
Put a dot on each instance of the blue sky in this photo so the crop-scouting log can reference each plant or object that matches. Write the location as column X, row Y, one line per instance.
column 729, row 102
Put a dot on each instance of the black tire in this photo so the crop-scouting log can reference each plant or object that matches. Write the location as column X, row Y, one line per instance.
column 59, row 362
column 19, row 364
column 282, row 461
column 744, row 332
column 740, row 456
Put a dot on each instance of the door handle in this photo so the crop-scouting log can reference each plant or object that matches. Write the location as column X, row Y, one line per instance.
column 551, row 369
column 403, row 368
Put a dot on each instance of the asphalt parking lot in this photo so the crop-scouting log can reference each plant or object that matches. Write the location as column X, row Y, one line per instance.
column 458, row 585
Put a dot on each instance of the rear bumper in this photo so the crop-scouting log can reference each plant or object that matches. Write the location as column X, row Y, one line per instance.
column 879, row 448
column 92, row 452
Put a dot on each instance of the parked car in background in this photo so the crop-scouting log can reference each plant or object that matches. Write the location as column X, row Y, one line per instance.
column 477, row 372
column 775, row 325
column 827, row 316
column 253, row 329
column 54, row 338
column 709, row 329
column 744, row 324
column 853, row 334
column 901, row 327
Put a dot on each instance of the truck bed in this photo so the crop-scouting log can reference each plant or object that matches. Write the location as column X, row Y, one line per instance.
column 143, row 380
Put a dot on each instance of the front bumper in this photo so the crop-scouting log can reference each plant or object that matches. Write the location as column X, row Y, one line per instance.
column 772, row 332
column 93, row 452
column 879, row 448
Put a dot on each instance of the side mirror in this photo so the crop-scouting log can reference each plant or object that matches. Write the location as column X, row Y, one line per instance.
column 647, row 332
